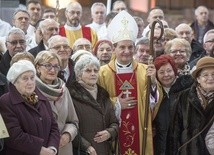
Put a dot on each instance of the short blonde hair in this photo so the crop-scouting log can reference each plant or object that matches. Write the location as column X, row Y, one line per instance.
column 179, row 41
column 46, row 56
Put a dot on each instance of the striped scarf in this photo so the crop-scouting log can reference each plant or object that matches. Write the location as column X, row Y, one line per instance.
column 54, row 91
column 204, row 97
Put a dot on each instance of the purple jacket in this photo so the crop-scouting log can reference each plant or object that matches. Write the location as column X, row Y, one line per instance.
column 30, row 127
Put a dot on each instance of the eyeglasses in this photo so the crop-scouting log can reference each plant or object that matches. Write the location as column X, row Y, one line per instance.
column 16, row 42
column 178, row 51
column 206, row 76
column 51, row 29
column 58, row 47
column 91, row 70
column 210, row 41
column 50, row 66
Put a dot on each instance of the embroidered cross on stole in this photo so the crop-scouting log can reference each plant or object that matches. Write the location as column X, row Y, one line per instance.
column 129, row 130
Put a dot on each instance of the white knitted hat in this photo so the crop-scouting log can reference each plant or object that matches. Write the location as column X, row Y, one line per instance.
column 18, row 68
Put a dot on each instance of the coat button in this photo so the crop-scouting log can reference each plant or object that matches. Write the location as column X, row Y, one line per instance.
column 40, row 118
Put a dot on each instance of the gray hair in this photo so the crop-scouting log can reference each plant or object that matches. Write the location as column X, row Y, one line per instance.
column 71, row 4
column 15, row 30
column 198, row 9
column 20, row 10
column 43, row 24
column 56, row 38
column 206, row 34
column 97, row 4
column 143, row 41
column 83, row 61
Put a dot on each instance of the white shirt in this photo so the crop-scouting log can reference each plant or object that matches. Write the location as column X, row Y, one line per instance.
column 100, row 29
column 5, row 28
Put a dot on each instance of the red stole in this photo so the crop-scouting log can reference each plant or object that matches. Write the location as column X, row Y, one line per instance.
column 86, row 32
column 129, row 130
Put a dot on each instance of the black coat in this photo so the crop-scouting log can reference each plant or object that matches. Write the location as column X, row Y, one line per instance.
column 197, row 50
column 190, row 118
column 195, row 28
column 5, row 63
column 34, row 51
column 165, row 112
column 94, row 116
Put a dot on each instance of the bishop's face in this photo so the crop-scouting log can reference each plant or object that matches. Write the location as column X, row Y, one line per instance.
column 124, row 51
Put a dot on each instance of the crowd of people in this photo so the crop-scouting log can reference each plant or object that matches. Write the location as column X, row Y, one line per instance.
column 113, row 87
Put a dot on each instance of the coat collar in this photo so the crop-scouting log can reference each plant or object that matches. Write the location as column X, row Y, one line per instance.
column 16, row 97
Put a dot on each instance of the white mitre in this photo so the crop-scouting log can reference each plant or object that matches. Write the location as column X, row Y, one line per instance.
column 122, row 27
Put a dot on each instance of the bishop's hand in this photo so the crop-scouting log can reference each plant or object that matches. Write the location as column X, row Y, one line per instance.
column 126, row 102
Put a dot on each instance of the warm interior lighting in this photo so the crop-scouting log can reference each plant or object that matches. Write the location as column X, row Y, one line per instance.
column 62, row 3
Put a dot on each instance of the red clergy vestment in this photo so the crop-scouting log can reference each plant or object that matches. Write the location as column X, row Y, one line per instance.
column 129, row 130
column 86, row 32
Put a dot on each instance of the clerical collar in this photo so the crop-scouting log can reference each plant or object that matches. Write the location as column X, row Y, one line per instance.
column 72, row 28
column 124, row 68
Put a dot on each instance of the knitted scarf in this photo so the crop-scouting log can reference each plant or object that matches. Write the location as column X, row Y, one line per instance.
column 54, row 91
column 32, row 99
column 185, row 70
column 204, row 97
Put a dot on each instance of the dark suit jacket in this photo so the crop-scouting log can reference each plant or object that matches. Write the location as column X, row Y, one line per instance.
column 72, row 76
column 34, row 51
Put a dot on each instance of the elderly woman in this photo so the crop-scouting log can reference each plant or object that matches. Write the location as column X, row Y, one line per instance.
column 103, row 51
column 194, row 110
column 98, row 125
column 180, row 50
column 27, row 114
column 47, row 66
column 172, row 85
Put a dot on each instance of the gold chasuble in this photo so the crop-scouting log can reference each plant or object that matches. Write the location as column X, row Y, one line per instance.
column 132, row 84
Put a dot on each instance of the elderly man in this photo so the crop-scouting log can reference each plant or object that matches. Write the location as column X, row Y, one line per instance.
column 142, row 51
column 185, row 31
column 72, row 29
column 47, row 28
column 125, row 80
column 82, row 44
column 208, row 44
column 98, row 14
column 21, row 20
column 202, row 23
column 60, row 45
column 15, row 43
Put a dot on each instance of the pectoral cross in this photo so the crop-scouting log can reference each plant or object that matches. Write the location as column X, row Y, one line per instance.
column 127, row 93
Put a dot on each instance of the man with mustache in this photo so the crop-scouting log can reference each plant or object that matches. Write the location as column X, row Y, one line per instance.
column 73, row 29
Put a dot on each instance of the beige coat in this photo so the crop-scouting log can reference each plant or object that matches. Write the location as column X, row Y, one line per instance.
column 65, row 115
